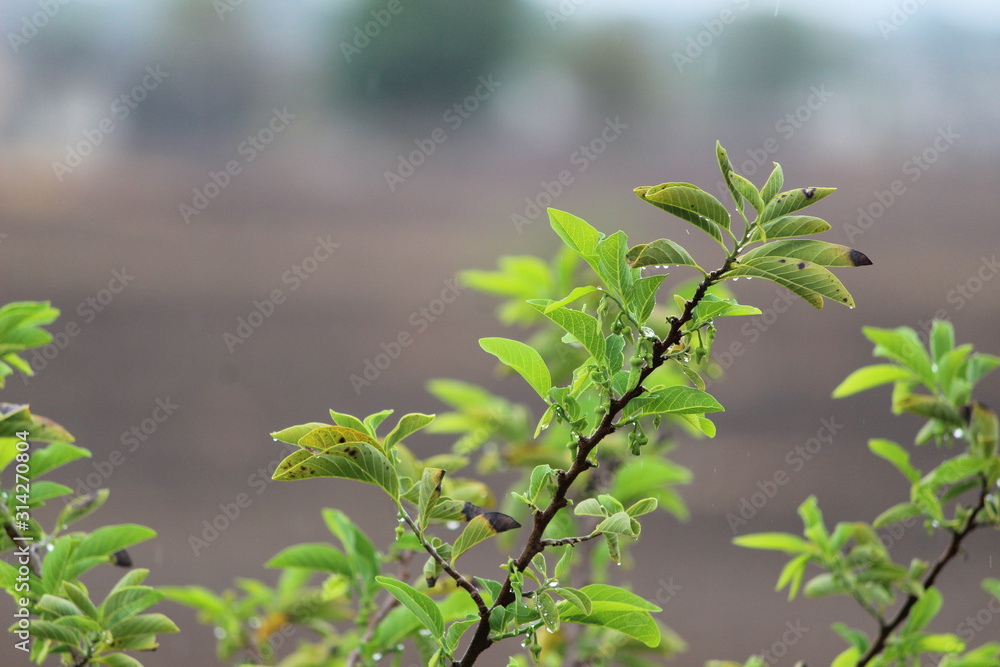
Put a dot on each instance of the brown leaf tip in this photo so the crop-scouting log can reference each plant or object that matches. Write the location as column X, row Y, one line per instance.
column 858, row 258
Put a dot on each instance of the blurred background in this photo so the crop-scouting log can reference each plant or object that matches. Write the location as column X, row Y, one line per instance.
column 238, row 205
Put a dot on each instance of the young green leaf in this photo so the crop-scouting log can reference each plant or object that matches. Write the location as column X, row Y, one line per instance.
column 423, row 607
column 791, row 226
column 673, row 400
column 615, row 609
column 577, row 293
column 292, row 434
column 726, row 167
column 896, row 455
column 430, row 491
column 585, row 328
column 577, row 598
column 643, row 298
column 903, row 346
column 792, row 544
column 319, row 557
column 576, row 233
column 871, row 376
column 773, row 185
column 747, row 191
column 523, row 359
column 349, row 421
column 662, row 252
column 408, row 425
column 612, row 267
column 691, row 203
column 921, row 613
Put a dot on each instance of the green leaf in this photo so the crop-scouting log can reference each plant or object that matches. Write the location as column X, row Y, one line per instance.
column 589, row 507
column 773, row 185
column 109, row 539
column 747, row 191
column 942, row 339
column 791, row 226
column 871, row 376
column 408, row 425
column 143, row 624
column 577, row 598
column 805, row 279
column 548, row 611
column 320, row 557
column 896, row 455
column 644, row 506
column 922, row 612
column 848, row 658
column 423, row 607
column 127, row 601
column 55, row 454
column 903, row 346
column 792, row 544
column 78, row 596
column 662, row 252
column 522, row 358
column 726, row 167
column 81, row 506
column 612, row 267
column 45, row 630
column 790, row 201
column 676, row 400
column 691, row 203
column 943, row 643
column 585, row 328
column 792, row 574
column 355, row 460
column 356, row 544
column 430, row 492
column 325, row 437
column 58, row 606
column 643, row 298
column 897, row 513
column 292, row 434
column 712, row 306
column 615, row 609
column 541, row 477
column 577, row 293
column 576, row 233
column 480, row 528
column 619, row 523
column 817, row 252
column 349, row 421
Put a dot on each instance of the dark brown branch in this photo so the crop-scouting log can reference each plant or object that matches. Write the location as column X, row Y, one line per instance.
column 950, row 552
column 585, row 447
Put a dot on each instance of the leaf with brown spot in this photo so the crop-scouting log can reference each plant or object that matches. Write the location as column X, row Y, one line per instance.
column 359, row 461
column 324, row 437
column 480, row 528
column 809, row 281
column 817, row 252
column 792, row 200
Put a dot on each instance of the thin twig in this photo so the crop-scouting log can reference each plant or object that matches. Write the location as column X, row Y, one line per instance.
column 585, row 447
column 950, row 552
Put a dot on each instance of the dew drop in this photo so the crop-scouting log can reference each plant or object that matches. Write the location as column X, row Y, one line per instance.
column 555, row 582
column 957, row 433
column 219, row 633
column 452, row 525
column 549, row 630
column 377, row 657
